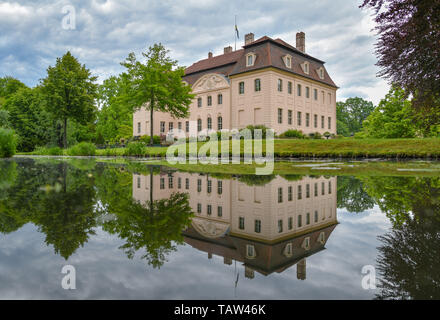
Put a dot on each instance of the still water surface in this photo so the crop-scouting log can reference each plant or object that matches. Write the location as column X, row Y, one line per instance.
column 213, row 236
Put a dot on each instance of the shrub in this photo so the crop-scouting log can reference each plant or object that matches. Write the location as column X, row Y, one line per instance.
column 82, row 149
column 135, row 149
column 327, row 134
column 315, row 135
column 292, row 134
column 52, row 151
column 263, row 128
column 8, row 143
column 146, row 139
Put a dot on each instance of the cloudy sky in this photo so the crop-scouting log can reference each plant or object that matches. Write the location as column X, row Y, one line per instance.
column 34, row 33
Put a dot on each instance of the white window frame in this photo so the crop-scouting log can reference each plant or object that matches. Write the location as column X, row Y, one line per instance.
column 253, row 58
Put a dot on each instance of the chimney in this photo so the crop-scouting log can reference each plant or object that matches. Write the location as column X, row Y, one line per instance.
column 301, row 270
column 227, row 49
column 209, row 55
column 248, row 38
column 301, row 41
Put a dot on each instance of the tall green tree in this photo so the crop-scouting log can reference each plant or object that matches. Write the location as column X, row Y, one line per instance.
column 393, row 118
column 70, row 91
column 8, row 86
column 157, row 84
column 351, row 114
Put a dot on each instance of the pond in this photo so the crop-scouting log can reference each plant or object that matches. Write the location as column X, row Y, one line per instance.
column 140, row 231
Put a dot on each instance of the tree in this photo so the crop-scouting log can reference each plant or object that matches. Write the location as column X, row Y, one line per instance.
column 408, row 48
column 157, row 84
column 28, row 118
column 351, row 113
column 115, row 115
column 70, row 92
column 4, row 119
column 8, row 86
column 393, row 118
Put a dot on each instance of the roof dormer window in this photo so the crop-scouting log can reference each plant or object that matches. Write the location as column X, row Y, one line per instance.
column 321, row 73
column 288, row 61
column 250, row 59
column 305, row 67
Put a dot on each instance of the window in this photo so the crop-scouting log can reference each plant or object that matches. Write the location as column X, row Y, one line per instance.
column 315, row 94
column 307, row 119
column 290, row 223
column 280, row 195
column 219, row 187
column 299, row 90
column 315, row 120
column 170, row 126
column 219, row 211
column 209, row 186
column 322, row 122
column 187, row 126
column 209, row 123
column 250, row 59
column 280, row 115
column 257, row 85
column 209, row 101
column 280, row 85
column 316, row 216
column 323, row 97
column 329, row 122
column 316, row 189
column 199, row 102
column 288, row 61
column 299, row 192
column 241, row 87
column 199, row 185
column 139, row 182
column 329, row 98
column 162, row 127
column 219, row 123
column 306, row 67
column 250, row 252
column 170, row 182
column 139, row 127
column 186, row 183
column 308, row 218
column 289, row 193
column 199, row 124
column 307, row 92
column 289, row 116
column 299, row 118
column 220, row 99
column 258, row 226
column 199, row 208
column 241, row 223
column 307, row 190
column 179, row 183
column 179, row 125
column 321, row 73
column 280, row 226
column 209, row 209
column 322, row 188
column 329, row 187
column 289, row 87
column 299, row 221
column 162, row 183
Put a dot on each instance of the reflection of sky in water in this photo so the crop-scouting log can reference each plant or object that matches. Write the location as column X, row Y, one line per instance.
column 30, row 270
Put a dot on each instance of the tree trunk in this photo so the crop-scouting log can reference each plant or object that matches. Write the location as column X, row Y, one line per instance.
column 151, row 117
column 65, row 134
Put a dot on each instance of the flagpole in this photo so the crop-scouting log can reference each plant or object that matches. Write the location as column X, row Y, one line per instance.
column 235, row 34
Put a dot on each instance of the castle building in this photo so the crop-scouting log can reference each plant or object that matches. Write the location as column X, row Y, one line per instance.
column 267, row 82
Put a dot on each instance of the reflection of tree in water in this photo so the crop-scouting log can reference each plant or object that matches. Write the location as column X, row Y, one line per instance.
column 409, row 257
column 56, row 197
column 352, row 196
column 154, row 227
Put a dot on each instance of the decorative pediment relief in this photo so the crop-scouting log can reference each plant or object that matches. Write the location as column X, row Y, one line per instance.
column 209, row 82
column 209, row 228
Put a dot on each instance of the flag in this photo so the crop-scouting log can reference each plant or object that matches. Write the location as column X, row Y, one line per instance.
column 236, row 31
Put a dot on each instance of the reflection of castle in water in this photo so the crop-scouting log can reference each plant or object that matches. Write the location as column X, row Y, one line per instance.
column 267, row 227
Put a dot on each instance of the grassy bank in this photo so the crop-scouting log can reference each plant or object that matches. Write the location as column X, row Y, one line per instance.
column 300, row 148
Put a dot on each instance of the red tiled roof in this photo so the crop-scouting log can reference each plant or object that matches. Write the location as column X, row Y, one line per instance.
column 269, row 53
